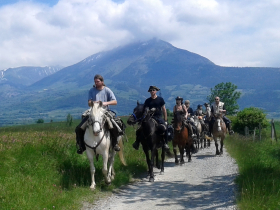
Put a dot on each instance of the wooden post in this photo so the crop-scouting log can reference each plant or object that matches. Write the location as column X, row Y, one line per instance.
column 260, row 131
column 273, row 131
column 254, row 135
column 246, row 130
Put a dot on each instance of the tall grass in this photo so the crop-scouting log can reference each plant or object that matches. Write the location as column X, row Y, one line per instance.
column 40, row 169
column 259, row 171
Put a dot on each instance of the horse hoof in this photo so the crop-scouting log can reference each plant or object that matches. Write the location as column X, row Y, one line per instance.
column 92, row 188
column 189, row 160
column 161, row 173
column 151, row 180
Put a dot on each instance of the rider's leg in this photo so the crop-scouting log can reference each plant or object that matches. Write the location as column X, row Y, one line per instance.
column 228, row 124
column 80, row 132
column 136, row 144
column 114, row 139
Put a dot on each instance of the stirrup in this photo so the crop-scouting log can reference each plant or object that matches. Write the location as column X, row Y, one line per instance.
column 117, row 148
column 80, row 151
column 166, row 146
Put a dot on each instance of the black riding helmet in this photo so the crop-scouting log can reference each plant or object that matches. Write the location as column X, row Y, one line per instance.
column 198, row 106
column 179, row 98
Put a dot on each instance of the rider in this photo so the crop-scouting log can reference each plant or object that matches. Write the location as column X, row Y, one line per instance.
column 99, row 92
column 155, row 102
column 207, row 117
column 190, row 119
column 219, row 107
column 199, row 113
column 180, row 106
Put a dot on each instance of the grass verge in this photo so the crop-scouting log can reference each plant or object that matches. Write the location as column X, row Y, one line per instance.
column 40, row 169
column 259, row 171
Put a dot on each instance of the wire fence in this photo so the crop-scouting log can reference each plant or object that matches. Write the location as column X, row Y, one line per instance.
column 257, row 132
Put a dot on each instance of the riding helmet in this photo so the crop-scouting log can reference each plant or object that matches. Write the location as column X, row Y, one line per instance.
column 179, row 98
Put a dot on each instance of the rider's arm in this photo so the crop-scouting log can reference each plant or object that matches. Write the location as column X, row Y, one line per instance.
column 164, row 113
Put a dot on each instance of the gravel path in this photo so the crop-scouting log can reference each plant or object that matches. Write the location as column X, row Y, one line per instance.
column 205, row 183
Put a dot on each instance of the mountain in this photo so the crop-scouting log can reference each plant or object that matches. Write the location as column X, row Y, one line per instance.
column 130, row 70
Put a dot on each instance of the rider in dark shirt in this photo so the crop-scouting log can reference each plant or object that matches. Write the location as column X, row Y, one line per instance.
column 156, row 102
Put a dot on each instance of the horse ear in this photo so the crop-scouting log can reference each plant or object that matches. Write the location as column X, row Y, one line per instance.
column 100, row 103
column 138, row 102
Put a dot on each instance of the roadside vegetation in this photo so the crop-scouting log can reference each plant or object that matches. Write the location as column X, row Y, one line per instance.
column 259, row 169
column 40, row 169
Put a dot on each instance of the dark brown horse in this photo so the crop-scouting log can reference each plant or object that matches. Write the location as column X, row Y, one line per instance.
column 181, row 137
column 219, row 131
column 148, row 136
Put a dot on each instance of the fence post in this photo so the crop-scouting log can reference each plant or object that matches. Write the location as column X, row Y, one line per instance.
column 246, row 130
column 260, row 131
column 254, row 134
column 273, row 131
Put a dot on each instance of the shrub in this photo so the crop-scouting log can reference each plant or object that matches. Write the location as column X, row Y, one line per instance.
column 40, row 120
column 250, row 117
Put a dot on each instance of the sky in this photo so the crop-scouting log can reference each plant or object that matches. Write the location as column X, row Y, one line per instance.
column 63, row 32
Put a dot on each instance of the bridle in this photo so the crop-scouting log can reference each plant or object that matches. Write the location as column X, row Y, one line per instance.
column 101, row 126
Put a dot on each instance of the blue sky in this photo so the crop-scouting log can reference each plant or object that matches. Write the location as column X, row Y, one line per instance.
column 48, row 2
column 64, row 32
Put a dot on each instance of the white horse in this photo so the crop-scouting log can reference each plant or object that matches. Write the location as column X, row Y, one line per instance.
column 97, row 140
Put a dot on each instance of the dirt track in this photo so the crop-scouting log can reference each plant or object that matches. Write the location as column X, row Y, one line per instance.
column 205, row 183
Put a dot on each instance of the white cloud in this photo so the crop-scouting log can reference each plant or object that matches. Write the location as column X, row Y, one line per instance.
column 234, row 33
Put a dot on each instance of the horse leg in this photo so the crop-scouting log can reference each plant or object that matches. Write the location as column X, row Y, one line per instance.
column 188, row 152
column 181, row 148
column 148, row 160
column 111, row 175
column 92, row 168
column 216, row 144
column 162, row 160
column 105, row 170
column 175, row 154
column 157, row 162
column 222, row 144
column 152, row 178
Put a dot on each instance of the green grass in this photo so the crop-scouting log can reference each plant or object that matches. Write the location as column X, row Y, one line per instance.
column 39, row 168
column 259, row 171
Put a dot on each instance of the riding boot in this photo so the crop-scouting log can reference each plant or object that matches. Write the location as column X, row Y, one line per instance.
column 166, row 141
column 80, row 144
column 114, row 139
column 136, row 144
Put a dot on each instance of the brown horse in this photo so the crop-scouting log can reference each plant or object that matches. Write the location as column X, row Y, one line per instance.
column 219, row 131
column 181, row 137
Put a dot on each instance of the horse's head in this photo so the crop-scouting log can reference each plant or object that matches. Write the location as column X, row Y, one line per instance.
column 97, row 117
column 137, row 114
column 178, row 119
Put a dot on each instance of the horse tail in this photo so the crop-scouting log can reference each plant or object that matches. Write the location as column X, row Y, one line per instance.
column 121, row 156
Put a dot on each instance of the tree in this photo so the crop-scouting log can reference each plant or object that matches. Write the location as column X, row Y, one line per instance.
column 228, row 94
column 169, row 113
column 250, row 117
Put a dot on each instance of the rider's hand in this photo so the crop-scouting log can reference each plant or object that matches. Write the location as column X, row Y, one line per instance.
column 166, row 122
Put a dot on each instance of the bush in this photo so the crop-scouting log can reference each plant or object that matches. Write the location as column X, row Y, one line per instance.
column 40, row 121
column 250, row 117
